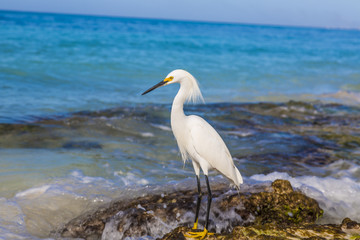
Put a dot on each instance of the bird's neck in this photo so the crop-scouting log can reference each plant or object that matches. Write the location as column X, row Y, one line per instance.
column 177, row 109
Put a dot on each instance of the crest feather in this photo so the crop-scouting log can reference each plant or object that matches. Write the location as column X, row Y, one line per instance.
column 194, row 95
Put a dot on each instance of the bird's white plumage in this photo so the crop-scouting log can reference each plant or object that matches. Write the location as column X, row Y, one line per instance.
column 208, row 146
column 197, row 139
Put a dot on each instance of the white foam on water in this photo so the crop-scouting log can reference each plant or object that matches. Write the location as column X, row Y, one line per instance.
column 162, row 127
column 345, row 96
column 337, row 196
column 240, row 133
column 33, row 192
column 130, row 178
column 34, row 212
column 344, row 168
column 78, row 176
column 147, row 134
column 111, row 232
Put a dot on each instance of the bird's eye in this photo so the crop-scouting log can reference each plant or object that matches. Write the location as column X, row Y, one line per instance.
column 168, row 79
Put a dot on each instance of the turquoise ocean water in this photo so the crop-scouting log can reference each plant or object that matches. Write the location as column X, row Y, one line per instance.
column 75, row 131
column 55, row 64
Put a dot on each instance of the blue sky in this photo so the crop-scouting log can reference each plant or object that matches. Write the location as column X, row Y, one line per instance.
column 323, row 13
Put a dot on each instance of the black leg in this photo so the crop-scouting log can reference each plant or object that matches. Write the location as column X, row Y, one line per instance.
column 197, row 203
column 209, row 202
column 204, row 233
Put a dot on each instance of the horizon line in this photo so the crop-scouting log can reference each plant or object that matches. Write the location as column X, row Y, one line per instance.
column 182, row 20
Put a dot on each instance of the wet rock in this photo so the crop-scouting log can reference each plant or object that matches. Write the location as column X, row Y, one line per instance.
column 138, row 217
column 17, row 128
column 177, row 234
column 344, row 140
column 273, row 231
column 155, row 215
column 283, row 206
column 81, row 145
column 282, row 187
column 350, row 226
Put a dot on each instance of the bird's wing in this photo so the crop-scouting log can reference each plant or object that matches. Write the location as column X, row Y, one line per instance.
column 208, row 144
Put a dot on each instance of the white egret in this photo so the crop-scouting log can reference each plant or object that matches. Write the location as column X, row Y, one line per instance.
column 198, row 140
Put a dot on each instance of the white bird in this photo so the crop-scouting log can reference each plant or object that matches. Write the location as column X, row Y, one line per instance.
column 198, row 140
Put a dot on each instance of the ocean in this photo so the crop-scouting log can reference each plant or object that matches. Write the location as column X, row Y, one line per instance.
column 76, row 133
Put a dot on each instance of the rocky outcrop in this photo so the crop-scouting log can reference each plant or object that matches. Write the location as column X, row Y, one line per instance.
column 273, row 209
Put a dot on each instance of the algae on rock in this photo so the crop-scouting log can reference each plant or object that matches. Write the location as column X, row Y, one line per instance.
column 275, row 232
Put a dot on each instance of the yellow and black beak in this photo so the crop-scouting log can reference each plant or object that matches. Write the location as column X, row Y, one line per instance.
column 163, row 82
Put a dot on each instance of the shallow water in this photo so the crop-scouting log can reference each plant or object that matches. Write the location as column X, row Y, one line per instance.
column 74, row 163
column 75, row 132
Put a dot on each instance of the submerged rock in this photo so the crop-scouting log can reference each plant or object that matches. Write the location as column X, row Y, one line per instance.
column 81, row 145
column 277, row 207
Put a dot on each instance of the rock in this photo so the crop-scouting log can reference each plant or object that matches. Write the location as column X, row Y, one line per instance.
column 81, row 145
column 350, row 226
column 282, row 187
column 283, row 206
column 273, row 231
column 135, row 218
column 276, row 207
column 176, row 234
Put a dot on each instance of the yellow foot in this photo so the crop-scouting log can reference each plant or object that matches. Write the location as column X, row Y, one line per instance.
column 199, row 235
column 195, row 225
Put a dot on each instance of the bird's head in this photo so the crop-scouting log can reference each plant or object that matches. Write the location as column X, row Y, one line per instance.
column 182, row 77
column 174, row 77
column 177, row 76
